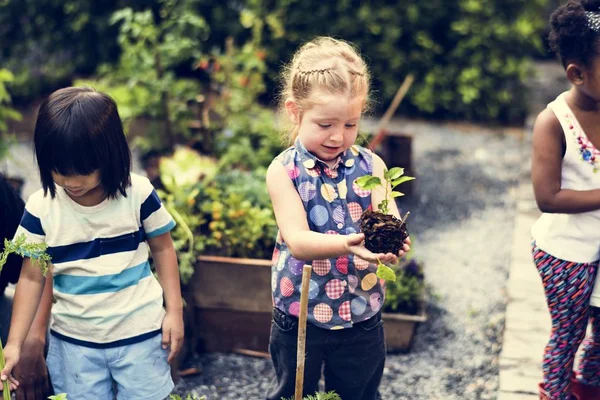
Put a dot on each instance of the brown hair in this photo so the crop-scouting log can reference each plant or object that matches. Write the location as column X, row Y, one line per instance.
column 324, row 63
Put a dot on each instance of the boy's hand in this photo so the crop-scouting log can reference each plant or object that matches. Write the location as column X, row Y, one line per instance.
column 172, row 333
column 11, row 356
column 355, row 245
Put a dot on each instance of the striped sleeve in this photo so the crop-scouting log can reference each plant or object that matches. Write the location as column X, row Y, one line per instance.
column 155, row 218
column 31, row 223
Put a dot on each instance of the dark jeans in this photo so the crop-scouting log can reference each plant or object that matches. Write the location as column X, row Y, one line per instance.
column 354, row 358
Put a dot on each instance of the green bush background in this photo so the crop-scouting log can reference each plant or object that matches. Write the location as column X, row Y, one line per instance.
column 470, row 57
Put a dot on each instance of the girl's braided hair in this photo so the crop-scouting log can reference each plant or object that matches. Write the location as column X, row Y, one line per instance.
column 323, row 64
column 575, row 31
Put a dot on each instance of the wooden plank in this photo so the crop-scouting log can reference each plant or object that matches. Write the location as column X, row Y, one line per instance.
column 234, row 284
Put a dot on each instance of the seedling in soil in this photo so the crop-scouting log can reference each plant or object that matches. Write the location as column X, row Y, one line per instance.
column 37, row 252
column 384, row 233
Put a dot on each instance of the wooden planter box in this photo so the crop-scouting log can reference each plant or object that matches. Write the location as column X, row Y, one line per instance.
column 233, row 305
column 232, row 298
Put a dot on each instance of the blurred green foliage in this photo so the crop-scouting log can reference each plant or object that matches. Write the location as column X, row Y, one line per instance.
column 143, row 82
column 247, row 135
column 6, row 111
column 470, row 57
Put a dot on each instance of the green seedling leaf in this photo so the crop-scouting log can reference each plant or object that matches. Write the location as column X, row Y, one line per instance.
column 402, row 179
column 385, row 272
column 61, row 396
column 368, row 182
column 394, row 173
column 397, row 194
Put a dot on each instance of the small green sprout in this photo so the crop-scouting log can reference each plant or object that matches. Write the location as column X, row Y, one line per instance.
column 393, row 177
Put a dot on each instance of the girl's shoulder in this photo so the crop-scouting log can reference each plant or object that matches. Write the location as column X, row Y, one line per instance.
column 361, row 151
column 288, row 155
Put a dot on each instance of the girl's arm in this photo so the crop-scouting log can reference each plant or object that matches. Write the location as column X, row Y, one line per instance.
column 546, row 165
column 303, row 243
column 165, row 261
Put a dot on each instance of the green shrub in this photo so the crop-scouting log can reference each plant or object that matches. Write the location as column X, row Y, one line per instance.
column 406, row 294
column 470, row 57
column 46, row 42
column 223, row 212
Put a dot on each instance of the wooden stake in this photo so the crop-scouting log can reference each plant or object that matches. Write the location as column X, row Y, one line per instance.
column 380, row 131
column 300, row 355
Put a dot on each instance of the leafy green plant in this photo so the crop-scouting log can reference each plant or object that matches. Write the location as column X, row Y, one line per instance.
column 183, row 175
column 223, row 212
column 61, row 396
column 246, row 133
column 372, row 224
column 405, row 294
column 393, row 177
column 144, row 83
column 37, row 252
column 320, row 396
column 237, row 225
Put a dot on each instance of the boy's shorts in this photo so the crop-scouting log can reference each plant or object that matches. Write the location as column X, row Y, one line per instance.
column 140, row 370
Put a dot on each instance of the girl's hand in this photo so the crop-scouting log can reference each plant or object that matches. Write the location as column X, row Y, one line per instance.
column 172, row 333
column 355, row 245
column 405, row 249
column 11, row 356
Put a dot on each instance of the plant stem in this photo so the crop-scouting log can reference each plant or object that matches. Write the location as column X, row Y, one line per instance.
column 5, row 390
column 405, row 217
column 385, row 209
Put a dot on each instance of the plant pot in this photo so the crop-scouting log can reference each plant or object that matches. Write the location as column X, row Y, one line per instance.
column 400, row 329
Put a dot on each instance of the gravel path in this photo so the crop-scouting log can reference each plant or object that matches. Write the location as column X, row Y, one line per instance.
column 461, row 223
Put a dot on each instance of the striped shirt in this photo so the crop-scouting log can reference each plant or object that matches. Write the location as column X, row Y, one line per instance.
column 105, row 293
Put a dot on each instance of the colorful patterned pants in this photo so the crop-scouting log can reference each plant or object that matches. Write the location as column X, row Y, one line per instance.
column 589, row 367
column 568, row 287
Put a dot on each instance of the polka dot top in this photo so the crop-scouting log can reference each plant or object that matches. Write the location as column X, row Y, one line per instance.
column 343, row 290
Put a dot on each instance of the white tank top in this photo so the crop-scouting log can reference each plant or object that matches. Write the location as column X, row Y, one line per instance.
column 573, row 237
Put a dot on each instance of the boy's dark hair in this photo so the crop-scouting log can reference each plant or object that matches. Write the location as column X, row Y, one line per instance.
column 571, row 36
column 78, row 131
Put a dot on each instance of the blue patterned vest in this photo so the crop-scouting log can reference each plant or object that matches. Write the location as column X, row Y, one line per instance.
column 343, row 290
